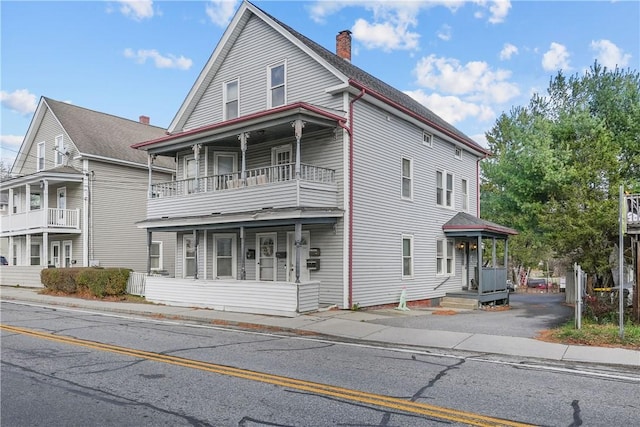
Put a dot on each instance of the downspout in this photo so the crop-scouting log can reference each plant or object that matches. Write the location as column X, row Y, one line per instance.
column 350, row 255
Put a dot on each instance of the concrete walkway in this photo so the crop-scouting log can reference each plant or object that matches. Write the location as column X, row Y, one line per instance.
column 368, row 326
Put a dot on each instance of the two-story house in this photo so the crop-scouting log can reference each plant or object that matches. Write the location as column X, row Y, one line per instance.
column 76, row 192
column 295, row 166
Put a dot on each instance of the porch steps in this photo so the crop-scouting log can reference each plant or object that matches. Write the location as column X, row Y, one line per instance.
column 458, row 302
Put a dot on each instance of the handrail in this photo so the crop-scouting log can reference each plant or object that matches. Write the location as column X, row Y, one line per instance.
column 252, row 177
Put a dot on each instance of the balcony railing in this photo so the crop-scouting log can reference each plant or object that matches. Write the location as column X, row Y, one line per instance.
column 51, row 218
column 253, row 177
column 633, row 212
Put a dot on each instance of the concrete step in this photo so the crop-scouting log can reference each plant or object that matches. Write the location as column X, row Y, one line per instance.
column 455, row 302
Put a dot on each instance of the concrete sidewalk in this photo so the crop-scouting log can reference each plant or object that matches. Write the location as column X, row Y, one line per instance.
column 352, row 325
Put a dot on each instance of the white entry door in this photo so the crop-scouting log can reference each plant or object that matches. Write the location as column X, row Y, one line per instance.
column 55, row 254
column 225, row 165
column 266, row 257
column 291, row 257
column 67, row 254
column 62, row 205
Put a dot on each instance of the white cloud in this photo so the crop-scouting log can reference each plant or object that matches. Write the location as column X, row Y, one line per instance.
column 610, row 55
column 220, row 12
column 21, row 101
column 475, row 79
column 508, row 51
column 137, row 9
column 385, row 36
column 160, row 61
column 452, row 108
column 499, row 10
column 9, row 147
column 556, row 58
column 444, row 33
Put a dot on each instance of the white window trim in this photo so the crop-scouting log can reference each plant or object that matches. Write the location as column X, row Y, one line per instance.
column 442, row 262
column 225, row 100
column 234, row 255
column 185, row 161
column 160, row 256
column 39, row 255
column 63, row 259
column 59, row 150
column 457, row 153
column 410, row 177
column 465, row 194
column 444, row 189
column 427, row 139
column 270, row 86
column 412, row 255
column 41, row 154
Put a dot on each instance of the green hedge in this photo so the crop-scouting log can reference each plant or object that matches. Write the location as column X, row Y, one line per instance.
column 99, row 281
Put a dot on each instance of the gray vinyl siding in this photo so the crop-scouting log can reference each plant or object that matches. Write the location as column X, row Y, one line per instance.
column 256, row 48
column 47, row 132
column 381, row 216
column 119, row 196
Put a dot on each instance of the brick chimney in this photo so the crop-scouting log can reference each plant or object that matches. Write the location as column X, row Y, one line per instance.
column 343, row 45
column 144, row 120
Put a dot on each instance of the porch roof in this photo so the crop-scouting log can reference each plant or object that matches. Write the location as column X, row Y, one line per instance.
column 230, row 129
column 57, row 174
column 259, row 218
column 465, row 225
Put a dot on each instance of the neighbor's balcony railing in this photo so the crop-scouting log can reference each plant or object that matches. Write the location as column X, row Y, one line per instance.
column 633, row 213
column 253, row 177
column 48, row 219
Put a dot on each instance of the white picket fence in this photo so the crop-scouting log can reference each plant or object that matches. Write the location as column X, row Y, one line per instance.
column 136, row 283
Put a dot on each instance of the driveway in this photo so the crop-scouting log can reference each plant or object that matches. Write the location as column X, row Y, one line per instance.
column 529, row 314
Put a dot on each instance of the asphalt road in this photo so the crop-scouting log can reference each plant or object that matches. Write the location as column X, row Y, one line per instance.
column 68, row 367
column 528, row 314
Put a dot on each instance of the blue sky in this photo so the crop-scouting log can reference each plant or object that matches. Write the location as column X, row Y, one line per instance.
column 468, row 61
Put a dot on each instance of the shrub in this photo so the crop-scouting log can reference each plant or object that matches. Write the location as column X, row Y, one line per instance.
column 99, row 282
column 60, row 279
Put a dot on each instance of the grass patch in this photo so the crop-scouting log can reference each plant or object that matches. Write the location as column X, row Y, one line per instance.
column 601, row 335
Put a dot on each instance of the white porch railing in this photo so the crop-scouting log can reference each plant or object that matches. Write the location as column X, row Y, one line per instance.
column 41, row 218
column 253, row 177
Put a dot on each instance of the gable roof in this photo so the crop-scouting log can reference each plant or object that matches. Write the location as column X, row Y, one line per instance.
column 96, row 134
column 345, row 70
column 463, row 221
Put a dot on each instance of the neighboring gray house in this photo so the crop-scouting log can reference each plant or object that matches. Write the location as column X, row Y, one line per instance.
column 295, row 166
column 76, row 191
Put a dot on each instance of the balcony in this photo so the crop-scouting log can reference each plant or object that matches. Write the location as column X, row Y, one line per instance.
column 50, row 220
column 265, row 187
column 633, row 213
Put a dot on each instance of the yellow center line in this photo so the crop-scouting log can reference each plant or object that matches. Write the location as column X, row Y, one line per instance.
column 312, row 387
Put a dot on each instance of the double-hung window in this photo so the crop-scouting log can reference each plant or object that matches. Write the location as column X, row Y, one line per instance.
column 444, row 189
column 59, row 149
column 407, row 256
column 231, row 100
column 276, row 75
column 188, row 255
column 35, row 201
column 40, row 157
column 407, row 179
column 35, row 254
column 445, row 262
column 155, row 255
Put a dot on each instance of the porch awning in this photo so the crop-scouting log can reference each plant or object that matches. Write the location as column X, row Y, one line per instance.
column 57, row 174
column 465, row 225
column 260, row 218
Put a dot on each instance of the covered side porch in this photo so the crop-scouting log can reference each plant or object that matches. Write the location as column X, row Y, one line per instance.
column 485, row 250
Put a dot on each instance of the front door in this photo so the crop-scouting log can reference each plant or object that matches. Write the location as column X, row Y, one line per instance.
column 67, row 254
column 62, row 205
column 291, row 257
column 55, row 254
column 281, row 158
column 224, row 166
column 266, row 257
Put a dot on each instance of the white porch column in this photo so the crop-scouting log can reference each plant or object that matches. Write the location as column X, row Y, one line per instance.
column 10, row 201
column 150, row 159
column 298, row 125
column 11, row 254
column 479, row 255
column 243, row 148
column 196, row 154
column 27, row 239
column 149, row 242
column 298, row 242
column 27, row 199
column 45, row 200
column 44, row 261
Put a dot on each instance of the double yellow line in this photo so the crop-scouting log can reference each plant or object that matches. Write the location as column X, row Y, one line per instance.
column 468, row 418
